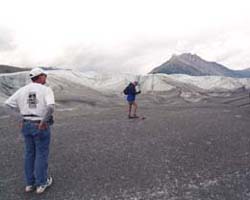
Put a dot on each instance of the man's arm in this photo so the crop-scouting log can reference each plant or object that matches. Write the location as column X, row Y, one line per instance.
column 48, row 114
column 138, row 92
column 49, row 111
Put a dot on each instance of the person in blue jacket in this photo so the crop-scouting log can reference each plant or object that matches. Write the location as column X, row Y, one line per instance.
column 131, row 93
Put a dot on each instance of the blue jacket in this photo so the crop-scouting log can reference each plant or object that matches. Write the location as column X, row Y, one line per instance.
column 132, row 92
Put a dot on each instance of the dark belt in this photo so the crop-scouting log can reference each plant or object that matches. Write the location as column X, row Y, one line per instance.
column 30, row 115
column 32, row 121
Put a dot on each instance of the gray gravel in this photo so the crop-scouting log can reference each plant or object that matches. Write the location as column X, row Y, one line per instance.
column 181, row 151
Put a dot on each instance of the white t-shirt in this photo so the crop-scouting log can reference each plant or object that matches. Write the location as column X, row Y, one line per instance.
column 32, row 99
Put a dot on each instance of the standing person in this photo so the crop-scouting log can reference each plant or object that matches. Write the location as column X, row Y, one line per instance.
column 33, row 105
column 131, row 93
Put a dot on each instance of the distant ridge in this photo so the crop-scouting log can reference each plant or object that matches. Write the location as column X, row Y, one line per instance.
column 193, row 65
column 11, row 69
column 49, row 68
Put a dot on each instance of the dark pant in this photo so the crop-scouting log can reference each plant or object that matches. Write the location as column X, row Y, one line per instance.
column 36, row 153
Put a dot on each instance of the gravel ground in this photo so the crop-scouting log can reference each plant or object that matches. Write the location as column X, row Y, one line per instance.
column 181, row 151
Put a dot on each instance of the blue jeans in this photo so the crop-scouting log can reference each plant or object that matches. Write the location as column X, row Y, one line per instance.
column 36, row 153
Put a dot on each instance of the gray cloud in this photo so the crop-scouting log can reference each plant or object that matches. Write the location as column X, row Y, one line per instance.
column 139, row 54
column 125, row 37
column 6, row 40
column 134, row 56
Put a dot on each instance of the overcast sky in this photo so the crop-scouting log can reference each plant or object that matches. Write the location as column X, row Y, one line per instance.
column 123, row 35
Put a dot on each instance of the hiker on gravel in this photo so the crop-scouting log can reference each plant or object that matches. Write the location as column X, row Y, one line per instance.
column 131, row 93
column 33, row 105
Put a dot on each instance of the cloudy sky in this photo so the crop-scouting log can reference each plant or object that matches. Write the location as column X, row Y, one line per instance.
column 123, row 35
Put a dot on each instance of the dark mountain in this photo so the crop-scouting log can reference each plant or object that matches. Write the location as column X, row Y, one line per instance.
column 11, row 69
column 193, row 65
column 243, row 73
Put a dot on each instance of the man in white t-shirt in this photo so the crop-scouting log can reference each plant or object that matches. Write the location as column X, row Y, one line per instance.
column 33, row 106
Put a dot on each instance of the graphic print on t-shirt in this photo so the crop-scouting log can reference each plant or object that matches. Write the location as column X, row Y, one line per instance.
column 32, row 100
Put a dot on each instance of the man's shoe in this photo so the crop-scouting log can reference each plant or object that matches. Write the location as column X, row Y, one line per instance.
column 40, row 189
column 29, row 188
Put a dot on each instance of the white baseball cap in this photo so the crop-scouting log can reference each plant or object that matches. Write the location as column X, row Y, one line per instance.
column 36, row 72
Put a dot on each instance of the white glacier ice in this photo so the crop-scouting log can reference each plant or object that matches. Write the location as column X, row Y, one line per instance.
column 116, row 82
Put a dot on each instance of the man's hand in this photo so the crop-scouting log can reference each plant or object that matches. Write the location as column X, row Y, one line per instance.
column 42, row 126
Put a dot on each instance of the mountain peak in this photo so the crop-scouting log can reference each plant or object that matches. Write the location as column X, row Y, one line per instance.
column 186, row 56
column 193, row 65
